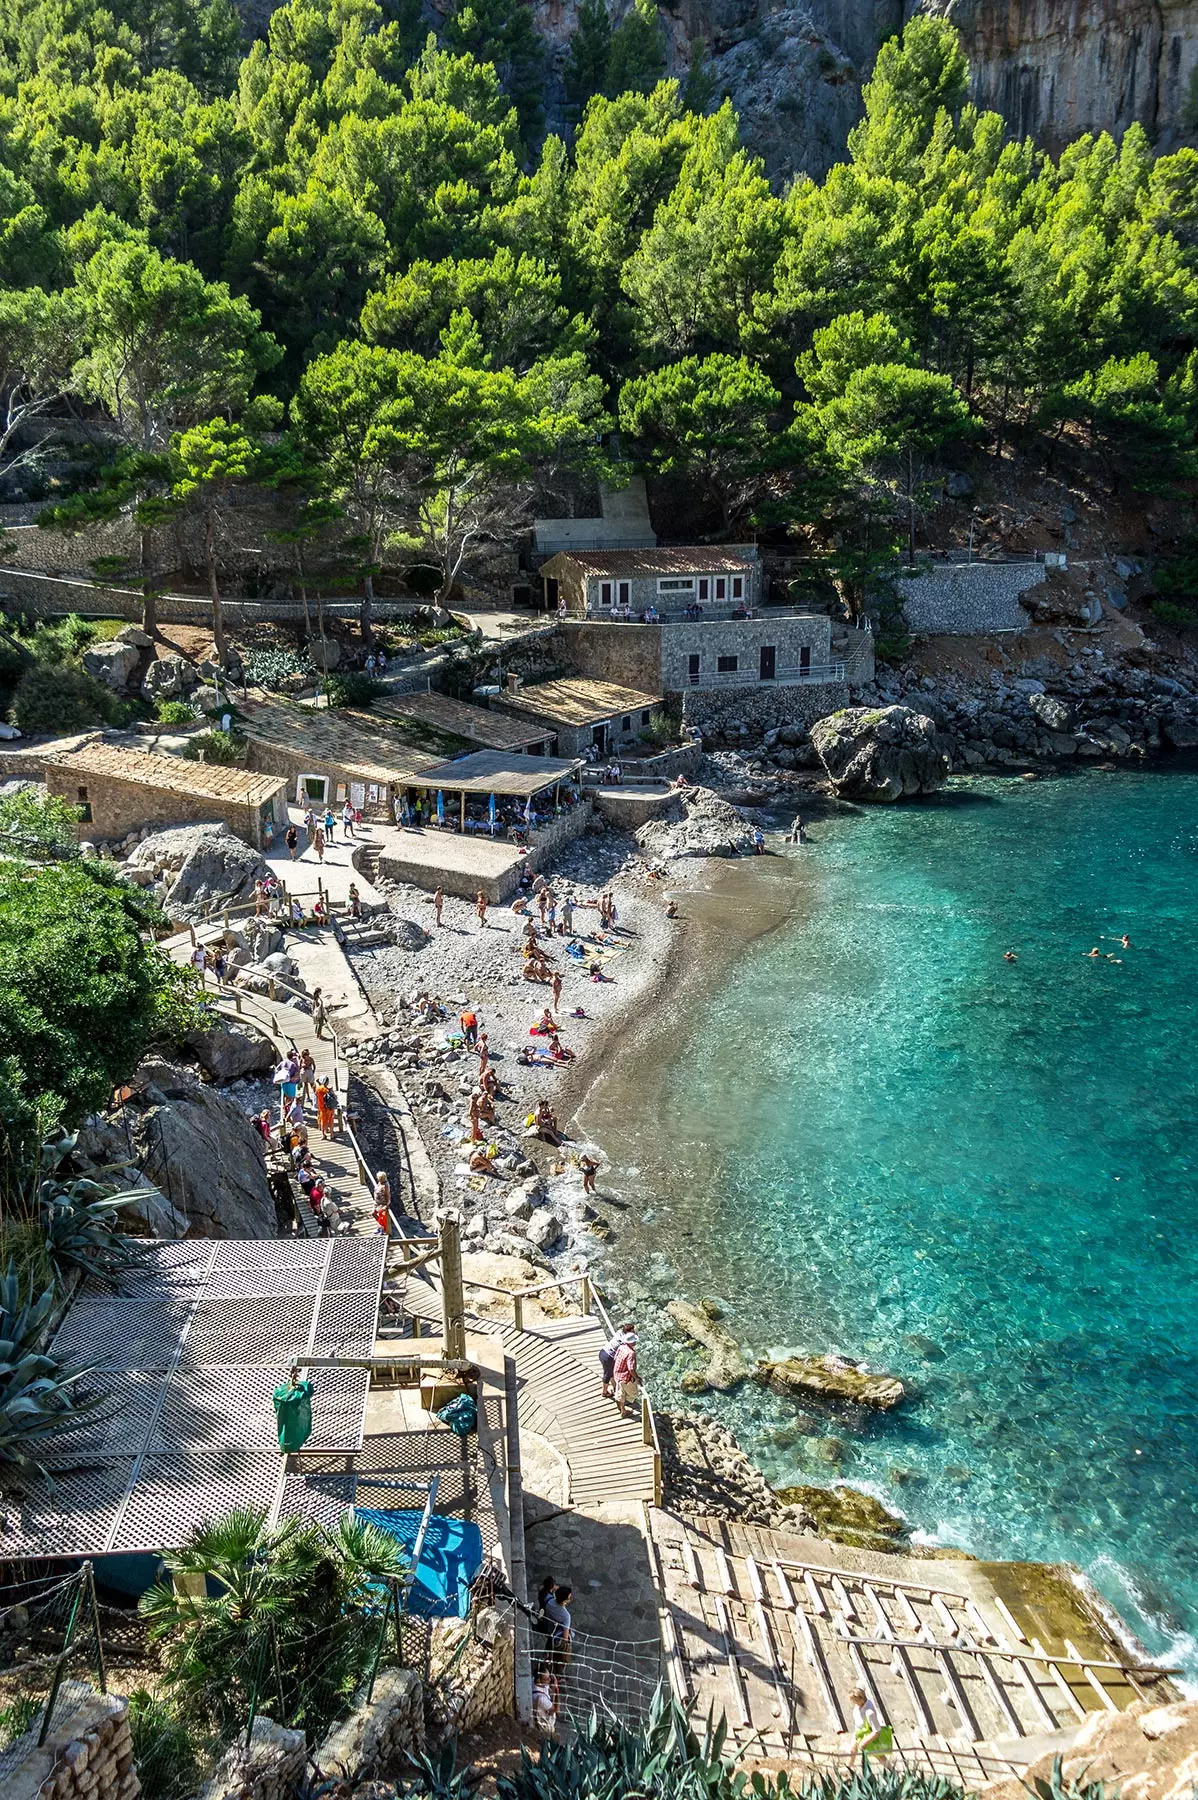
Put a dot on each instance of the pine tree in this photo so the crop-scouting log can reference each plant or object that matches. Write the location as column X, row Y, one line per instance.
column 637, row 59
column 501, row 32
column 585, row 73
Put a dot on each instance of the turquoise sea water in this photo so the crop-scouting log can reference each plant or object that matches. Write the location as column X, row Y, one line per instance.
column 880, row 1137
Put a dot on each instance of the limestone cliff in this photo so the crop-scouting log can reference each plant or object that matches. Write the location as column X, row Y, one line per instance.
column 1055, row 68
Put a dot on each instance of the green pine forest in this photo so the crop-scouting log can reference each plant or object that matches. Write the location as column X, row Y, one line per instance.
column 345, row 266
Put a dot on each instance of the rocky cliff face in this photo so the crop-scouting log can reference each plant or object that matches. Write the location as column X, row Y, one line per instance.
column 1056, row 68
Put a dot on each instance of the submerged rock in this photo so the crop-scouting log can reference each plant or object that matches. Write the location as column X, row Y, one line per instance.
column 849, row 1516
column 727, row 1366
column 833, row 1378
column 880, row 753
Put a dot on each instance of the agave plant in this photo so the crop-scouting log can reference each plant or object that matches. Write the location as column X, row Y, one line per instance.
column 79, row 1219
column 38, row 1392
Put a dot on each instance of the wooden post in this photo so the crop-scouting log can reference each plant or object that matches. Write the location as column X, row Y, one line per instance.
column 586, row 1295
column 646, row 1420
column 463, row 812
column 453, row 1298
column 518, row 1311
column 192, row 931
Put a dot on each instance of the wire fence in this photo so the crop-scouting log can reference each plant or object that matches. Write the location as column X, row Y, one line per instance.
column 49, row 1634
column 610, row 1676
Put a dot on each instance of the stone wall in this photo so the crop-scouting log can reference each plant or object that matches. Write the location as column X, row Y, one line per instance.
column 629, row 655
column 28, row 547
column 960, row 599
column 88, row 1754
column 481, row 1685
column 762, row 708
column 46, row 596
column 743, row 639
column 265, row 1769
column 549, row 840
column 119, row 807
column 378, row 1737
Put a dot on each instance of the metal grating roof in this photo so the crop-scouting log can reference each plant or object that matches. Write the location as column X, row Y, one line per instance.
column 190, row 1352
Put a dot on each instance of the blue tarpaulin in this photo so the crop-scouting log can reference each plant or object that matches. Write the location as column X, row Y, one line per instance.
column 451, row 1558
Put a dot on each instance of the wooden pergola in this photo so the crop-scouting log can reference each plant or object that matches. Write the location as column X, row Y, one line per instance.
column 499, row 772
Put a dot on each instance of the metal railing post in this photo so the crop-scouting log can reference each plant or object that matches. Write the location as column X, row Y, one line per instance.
column 518, row 1311
column 101, row 1668
column 60, row 1665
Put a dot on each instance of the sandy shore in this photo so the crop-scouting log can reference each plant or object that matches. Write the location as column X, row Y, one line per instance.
column 480, row 968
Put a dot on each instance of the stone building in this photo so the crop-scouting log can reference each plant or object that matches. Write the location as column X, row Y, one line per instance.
column 327, row 757
column 624, row 584
column 121, row 790
column 776, row 649
column 584, row 714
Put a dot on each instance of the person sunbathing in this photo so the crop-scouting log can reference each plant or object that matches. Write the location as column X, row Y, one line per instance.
column 545, row 1026
column 480, row 1162
column 558, row 1051
column 545, row 1121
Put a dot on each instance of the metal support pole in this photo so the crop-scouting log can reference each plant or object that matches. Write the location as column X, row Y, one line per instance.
column 518, row 1312
column 254, row 1692
column 453, row 1296
column 101, row 1669
column 384, row 1621
column 60, row 1666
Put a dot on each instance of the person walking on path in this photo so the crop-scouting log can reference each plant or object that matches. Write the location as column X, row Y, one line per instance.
column 291, row 839
column 438, row 903
column 607, row 1356
column 326, row 1111
column 310, row 823
column 307, row 1073
column 347, row 819
column 318, row 842
column 870, row 1736
column 480, row 907
column 624, row 1373
column 382, row 1190
column 319, row 1015
column 557, row 1611
column 330, row 825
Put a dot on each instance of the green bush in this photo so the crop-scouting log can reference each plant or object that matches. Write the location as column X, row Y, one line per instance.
column 223, row 747
column 16, row 1718
column 1172, row 612
column 174, row 712
column 164, row 1751
column 52, row 697
column 352, row 689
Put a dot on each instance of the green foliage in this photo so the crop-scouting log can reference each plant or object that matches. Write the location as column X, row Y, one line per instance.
column 39, row 1393
column 58, row 699
column 502, row 33
column 709, row 420
column 17, row 1717
column 36, row 824
column 352, row 689
column 174, row 712
column 585, row 72
column 82, row 994
column 295, row 1613
column 164, row 1748
column 1173, row 612
column 275, row 668
column 636, row 60
column 223, row 747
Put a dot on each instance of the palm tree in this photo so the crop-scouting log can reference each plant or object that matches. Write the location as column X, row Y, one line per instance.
column 286, row 1619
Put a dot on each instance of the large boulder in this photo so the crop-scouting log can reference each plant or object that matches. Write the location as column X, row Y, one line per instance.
column 228, row 1050
column 112, row 663
column 1052, row 713
column 199, row 1148
column 168, row 677
column 831, row 1378
column 697, row 823
column 201, row 865
column 880, row 753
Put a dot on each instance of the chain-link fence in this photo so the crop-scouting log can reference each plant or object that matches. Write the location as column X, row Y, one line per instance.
column 49, row 1632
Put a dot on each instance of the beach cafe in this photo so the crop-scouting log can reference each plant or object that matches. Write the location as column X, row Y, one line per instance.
column 493, row 792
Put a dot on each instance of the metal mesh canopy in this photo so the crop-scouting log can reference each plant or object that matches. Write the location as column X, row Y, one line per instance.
column 189, row 1353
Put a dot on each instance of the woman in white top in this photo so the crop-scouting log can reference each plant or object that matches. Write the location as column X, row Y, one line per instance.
column 870, row 1736
column 544, row 1703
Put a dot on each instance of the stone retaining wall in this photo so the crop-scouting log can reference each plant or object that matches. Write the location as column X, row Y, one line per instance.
column 762, row 709
column 44, row 596
column 88, row 1754
column 378, row 1738
column 266, row 1768
column 959, row 599
column 482, row 1685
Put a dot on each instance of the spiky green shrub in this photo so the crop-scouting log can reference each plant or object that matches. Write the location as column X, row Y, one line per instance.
column 164, row 1747
column 290, row 1617
column 39, row 1392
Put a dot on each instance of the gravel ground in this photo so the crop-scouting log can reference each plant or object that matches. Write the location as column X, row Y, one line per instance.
column 535, row 1208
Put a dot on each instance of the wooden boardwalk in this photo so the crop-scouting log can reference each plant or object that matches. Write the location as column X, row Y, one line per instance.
column 775, row 1630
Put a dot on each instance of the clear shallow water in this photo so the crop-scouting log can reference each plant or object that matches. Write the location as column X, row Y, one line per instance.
column 878, row 1136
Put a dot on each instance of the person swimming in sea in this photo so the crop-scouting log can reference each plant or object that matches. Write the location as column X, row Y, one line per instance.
column 1009, row 956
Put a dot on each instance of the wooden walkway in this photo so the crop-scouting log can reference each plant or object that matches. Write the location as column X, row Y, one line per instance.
column 776, row 1630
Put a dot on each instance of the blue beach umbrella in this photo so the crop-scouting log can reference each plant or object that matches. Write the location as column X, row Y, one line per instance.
column 440, row 807
column 491, row 813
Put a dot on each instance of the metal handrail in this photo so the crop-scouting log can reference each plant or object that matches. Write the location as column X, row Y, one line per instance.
column 785, row 675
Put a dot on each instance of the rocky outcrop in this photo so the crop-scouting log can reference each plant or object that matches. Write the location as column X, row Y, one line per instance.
column 200, row 1149
column 706, row 1474
column 880, row 753
column 1149, row 1752
column 1055, row 70
column 197, row 866
column 831, row 1378
column 112, row 663
column 726, row 1366
column 698, row 823
column 849, row 1516
column 227, row 1051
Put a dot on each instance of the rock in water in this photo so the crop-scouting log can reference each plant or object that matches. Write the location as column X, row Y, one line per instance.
column 849, row 1517
column 880, row 753
column 833, row 1379
column 727, row 1366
